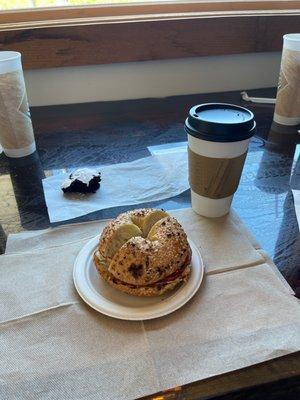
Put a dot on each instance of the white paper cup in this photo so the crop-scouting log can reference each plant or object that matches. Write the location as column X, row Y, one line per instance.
column 287, row 108
column 16, row 133
column 217, row 145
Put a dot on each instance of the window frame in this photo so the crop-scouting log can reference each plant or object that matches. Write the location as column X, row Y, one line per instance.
column 54, row 37
column 48, row 15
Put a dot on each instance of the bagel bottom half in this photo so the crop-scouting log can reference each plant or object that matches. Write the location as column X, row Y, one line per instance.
column 150, row 290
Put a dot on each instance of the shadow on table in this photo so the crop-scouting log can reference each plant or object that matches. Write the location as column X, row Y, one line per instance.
column 279, row 172
column 288, row 242
column 275, row 168
column 2, row 240
column 26, row 176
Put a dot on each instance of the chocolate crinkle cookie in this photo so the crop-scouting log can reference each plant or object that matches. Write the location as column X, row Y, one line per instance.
column 83, row 180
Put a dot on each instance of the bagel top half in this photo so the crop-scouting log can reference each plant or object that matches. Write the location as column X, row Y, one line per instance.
column 142, row 247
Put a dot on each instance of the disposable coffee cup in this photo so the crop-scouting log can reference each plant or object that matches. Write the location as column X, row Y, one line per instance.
column 287, row 108
column 218, row 139
column 16, row 133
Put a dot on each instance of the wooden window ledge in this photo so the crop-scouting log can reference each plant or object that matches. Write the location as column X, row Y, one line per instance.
column 100, row 35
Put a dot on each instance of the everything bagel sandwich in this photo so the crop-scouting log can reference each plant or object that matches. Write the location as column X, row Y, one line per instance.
column 144, row 253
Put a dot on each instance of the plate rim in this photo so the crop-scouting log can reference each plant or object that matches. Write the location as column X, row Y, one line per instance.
column 80, row 267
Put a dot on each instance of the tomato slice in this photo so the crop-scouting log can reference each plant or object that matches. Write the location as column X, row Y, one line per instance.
column 179, row 271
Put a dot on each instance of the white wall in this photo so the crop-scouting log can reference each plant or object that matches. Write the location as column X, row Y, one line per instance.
column 151, row 78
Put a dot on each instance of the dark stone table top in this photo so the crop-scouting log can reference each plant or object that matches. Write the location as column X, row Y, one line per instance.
column 72, row 136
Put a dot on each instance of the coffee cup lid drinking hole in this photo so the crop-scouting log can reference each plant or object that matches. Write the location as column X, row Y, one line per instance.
column 220, row 122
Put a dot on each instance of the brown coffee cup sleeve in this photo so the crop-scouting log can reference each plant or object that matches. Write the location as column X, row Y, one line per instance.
column 215, row 178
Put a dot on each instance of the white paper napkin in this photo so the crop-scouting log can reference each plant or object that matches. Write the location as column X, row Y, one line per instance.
column 54, row 344
column 147, row 179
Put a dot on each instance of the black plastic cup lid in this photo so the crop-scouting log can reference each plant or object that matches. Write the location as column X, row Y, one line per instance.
column 220, row 122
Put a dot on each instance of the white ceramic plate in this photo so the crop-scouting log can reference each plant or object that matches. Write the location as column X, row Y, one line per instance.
column 102, row 297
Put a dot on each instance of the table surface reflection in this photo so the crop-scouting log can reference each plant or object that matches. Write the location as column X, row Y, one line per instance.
column 87, row 135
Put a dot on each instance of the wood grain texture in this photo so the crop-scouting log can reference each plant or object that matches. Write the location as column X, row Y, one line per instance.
column 104, row 43
column 142, row 8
